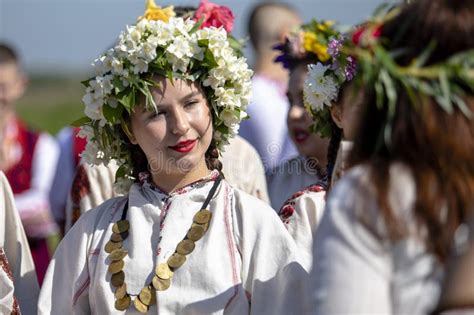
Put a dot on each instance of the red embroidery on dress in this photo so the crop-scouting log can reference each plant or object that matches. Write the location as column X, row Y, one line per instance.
column 163, row 215
column 145, row 176
column 230, row 246
column 5, row 265
column 288, row 208
column 81, row 290
column 6, row 268
column 15, row 307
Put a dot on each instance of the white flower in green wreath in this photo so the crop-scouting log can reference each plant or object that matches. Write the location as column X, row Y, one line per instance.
column 175, row 48
column 320, row 89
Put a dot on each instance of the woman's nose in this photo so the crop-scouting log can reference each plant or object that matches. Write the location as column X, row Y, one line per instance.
column 296, row 112
column 180, row 123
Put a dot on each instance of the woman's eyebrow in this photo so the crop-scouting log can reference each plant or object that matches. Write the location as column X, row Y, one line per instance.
column 190, row 95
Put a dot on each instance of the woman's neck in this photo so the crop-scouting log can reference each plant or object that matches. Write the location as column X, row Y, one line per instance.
column 170, row 182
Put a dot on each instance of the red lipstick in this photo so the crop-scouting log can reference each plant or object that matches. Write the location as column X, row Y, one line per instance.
column 300, row 135
column 184, row 146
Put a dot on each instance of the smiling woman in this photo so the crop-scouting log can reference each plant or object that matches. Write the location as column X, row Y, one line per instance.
column 167, row 98
column 176, row 136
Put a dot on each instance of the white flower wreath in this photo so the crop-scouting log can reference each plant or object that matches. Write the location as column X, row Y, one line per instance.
column 174, row 49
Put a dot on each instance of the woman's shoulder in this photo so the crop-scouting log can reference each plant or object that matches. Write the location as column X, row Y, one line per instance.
column 359, row 183
column 355, row 199
column 310, row 197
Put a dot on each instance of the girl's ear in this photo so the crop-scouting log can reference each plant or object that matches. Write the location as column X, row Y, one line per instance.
column 336, row 114
column 127, row 130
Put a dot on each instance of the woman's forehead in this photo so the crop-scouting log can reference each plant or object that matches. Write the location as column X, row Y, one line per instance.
column 165, row 87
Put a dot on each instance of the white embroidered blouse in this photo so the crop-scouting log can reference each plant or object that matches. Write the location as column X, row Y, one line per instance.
column 246, row 263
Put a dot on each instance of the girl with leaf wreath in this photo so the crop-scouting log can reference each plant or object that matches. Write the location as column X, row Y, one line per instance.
column 383, row 241
column 325, row 100
column 166, row 99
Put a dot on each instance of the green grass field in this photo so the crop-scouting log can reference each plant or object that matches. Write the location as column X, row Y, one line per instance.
column 51, row 102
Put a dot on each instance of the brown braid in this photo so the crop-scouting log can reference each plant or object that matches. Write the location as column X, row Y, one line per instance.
column 334, row 142
column 212, row 158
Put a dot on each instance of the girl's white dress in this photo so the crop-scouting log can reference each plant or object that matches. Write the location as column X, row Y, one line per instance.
column 245, row 263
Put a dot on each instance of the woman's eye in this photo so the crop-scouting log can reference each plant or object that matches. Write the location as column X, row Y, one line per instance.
column 190, row 103
column 155, row 114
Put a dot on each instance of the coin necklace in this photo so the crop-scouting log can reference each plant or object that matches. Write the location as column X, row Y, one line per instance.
column 164, row 271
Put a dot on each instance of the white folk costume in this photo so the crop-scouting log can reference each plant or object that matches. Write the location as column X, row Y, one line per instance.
column 289, row 177
column 93, row 185
column 301, row 214
column 243, row 168
column 357, row 269
column 245, row 263
column 18, row 284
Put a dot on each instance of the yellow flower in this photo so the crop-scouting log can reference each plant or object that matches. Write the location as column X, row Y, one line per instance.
column 323, row 27
column 311, row 44
column 309, row 38
column 156, row 13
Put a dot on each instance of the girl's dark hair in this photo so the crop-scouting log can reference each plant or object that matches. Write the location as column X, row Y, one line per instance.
column 334, row 142
column 212, row 158
column 438, row 147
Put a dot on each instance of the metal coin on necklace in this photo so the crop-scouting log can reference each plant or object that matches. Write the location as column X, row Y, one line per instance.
column 163, row 272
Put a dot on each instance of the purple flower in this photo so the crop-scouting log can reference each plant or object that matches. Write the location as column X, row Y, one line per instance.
column 334, row 47
column 350, row 69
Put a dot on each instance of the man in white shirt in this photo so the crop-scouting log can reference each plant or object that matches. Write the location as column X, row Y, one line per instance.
column 266, row 130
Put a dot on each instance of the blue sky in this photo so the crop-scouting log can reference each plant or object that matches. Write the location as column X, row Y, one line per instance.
column 66, row 35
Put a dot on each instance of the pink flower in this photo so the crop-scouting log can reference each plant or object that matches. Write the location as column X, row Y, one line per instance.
column 214, row 15
column 360, row 35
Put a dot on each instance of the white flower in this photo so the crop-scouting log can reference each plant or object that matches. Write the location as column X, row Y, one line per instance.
column 94, row 110
column 216, row 78
column 92, row 154
column 180, row 47
column 142, row 25
column 162, row 33
column 117, row 66
column 140, row 67
column 227, row 98
column 148, row 51
column 180, row 64
column 135, row 35
column 319, row 89
column 86, row 132
column 102, row 65
column 229, row 117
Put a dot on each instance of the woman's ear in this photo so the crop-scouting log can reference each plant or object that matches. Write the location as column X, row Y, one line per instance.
column 336, row 114
column 127, row 130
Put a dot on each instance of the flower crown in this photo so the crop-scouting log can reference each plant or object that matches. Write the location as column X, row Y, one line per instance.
column 310, row 41
column 197, row 49
column 447, row 82
column 319, row 41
